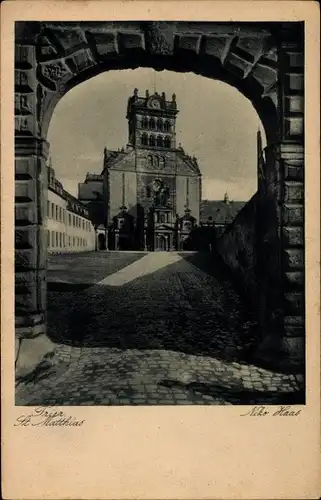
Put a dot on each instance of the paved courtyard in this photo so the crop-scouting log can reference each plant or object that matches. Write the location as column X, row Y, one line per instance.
column 157, row 328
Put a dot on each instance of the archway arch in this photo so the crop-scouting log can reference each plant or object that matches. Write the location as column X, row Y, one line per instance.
column 53, row 57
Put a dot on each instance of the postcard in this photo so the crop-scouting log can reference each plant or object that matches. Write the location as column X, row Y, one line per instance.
column 160, row 250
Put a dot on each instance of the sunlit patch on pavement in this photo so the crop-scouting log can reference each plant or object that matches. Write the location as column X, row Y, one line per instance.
column 146, row 265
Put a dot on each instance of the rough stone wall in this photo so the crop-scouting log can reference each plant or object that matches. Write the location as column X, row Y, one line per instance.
column 250, row 247
column 31, row 153
column 237, row 247
column 289, row 161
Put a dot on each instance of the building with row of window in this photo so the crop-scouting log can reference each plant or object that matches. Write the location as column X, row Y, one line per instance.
column 68, row 226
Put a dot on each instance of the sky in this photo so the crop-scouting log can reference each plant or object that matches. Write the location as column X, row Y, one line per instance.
column 216, row 123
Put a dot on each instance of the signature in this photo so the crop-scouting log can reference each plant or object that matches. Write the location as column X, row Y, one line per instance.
column 263, row 411
column 47, row 416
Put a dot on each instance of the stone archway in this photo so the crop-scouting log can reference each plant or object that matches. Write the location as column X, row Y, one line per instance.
column 264, row 61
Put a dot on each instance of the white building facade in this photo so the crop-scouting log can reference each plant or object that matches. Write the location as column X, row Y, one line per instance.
column 69, row 229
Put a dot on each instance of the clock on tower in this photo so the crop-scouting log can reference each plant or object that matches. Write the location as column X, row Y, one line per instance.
column 155, row 103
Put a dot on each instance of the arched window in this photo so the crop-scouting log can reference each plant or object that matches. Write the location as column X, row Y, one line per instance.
column 160, row 141
column 162, row 162
column 144, row 122
column 151, row 140
column 152, row 124
column 159, row 124
column 144, row 140
column 167, row 142
column 167, row 126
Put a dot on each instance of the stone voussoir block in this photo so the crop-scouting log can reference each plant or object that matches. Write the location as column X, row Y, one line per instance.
column 24, row 103
column 294, row 320
column 294, row 104
column 26, row 278
column 190, row 43
column 131, row 41
column 294, row 83
column 294, row 258
column 30, row 298
column 31, row 258
column 293, row 126
column 25, row 80
column 295, row 348
column 26, row 167
column 25, row 125
column 294, row 303
column 237, row 65
column 217, row 46
column 295, row 278
column 293, row 60
column 26, row 302
column 81, row 60
column 294, row 331
column 25, row 56
column 26, row 237
column 106, row 44
column 25, row 213
column 294, row 171
column 26, row 190
column 293, row 214
column 293, row 236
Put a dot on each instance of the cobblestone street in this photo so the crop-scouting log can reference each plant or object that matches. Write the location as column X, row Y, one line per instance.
column 158, row 328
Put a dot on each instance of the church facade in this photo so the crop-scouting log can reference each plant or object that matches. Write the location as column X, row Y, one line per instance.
column 152, row 188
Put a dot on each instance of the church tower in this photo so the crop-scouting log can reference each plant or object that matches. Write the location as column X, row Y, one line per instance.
column 151, row 181
column 152, row 121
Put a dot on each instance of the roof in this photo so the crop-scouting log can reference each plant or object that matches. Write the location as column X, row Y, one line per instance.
column 220, row 211
column 184, row 162
column 190, row 161
column 112, row 156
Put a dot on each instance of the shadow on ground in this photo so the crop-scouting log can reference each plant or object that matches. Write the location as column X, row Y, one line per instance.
column 179, row 307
